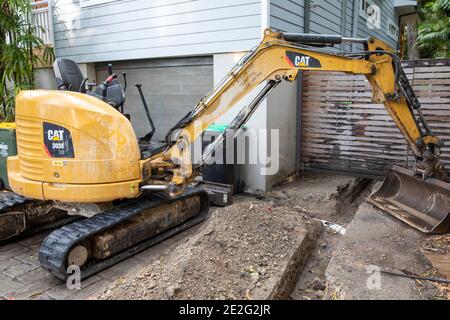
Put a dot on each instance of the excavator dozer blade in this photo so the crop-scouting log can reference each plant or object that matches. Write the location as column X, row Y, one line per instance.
column 424, row 205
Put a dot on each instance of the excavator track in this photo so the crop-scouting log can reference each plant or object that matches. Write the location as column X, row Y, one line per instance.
column 9, row 200
column 21, row 217
column 57, row 248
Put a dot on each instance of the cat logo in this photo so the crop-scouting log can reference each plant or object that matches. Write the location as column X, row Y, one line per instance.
column 55, row 135
column 58, row 141
column 300, row 60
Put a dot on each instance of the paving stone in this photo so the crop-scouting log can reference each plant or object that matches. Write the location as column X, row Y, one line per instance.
column 13, row 252
column 37, row 288
column 29, row 257
column 8, row 246
column 8, row 263
column 61, row 292
column 42, row 296
column 22, row 278
column 33, row 276
column 19, row 269
column 9, row 285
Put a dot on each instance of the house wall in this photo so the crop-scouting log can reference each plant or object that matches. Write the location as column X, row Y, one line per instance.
column 282, row 108
column 287, row 16
column 251, row 173
column 330, row 17
column 135, row 29
column 387, row 12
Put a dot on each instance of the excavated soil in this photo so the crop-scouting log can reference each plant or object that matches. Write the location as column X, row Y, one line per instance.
column 437, row 250
column 236, row 254
column 254, row 249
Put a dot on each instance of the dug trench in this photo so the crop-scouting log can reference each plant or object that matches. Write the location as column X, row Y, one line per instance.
column 275, row 246
column 284, row 244
column 313, row 237
column 331, row 200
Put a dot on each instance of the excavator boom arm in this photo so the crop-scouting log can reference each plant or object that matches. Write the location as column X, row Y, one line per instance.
column 277, row 59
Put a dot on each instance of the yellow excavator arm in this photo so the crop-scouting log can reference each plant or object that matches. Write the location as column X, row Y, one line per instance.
column 75, row 148
column 281, row 57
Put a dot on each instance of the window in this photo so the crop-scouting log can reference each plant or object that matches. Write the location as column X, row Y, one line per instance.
column 88, row 3
column 393, row 30
column 371, row 12
column 364, row 8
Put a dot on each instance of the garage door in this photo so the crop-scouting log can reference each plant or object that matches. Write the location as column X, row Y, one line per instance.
column 171, row 87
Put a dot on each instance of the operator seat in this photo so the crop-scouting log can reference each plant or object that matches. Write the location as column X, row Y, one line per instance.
column 68, row 76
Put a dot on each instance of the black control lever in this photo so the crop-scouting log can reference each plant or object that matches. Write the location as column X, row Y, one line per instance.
column 110, row 72
column 105, row 84
column 83, row 86
column 125, row 84
column 148, row 136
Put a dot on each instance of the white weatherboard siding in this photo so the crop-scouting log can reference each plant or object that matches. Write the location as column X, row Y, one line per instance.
column 135, row 29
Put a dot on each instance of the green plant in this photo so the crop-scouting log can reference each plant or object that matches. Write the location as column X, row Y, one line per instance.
column 18, row 55
column 433, row 40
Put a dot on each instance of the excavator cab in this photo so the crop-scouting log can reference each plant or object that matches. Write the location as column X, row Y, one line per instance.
column 69, row 77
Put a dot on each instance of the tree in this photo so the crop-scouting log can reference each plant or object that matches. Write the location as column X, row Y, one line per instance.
column 18, row 55
column 433, row 40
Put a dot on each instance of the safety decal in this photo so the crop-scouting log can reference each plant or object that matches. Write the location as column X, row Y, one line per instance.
column 3, row 150
column 58, row 141
column 300, row 60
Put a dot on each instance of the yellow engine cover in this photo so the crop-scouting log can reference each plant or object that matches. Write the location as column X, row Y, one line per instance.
column 73, row 147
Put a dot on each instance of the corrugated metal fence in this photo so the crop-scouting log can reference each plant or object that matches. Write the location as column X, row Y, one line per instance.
column 342, row 130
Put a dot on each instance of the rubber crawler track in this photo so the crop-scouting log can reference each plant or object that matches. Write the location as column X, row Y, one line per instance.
column 55, row 248
column 9, row 200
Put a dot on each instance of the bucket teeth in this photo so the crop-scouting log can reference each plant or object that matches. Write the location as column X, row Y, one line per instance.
column 423, row 204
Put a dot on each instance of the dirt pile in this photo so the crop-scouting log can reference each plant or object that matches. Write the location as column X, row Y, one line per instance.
column 250, row 250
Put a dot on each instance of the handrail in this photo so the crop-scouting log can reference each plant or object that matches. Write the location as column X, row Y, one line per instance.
column 42, row 19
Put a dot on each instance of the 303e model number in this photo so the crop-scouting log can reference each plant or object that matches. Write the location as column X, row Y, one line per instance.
column 255, row 310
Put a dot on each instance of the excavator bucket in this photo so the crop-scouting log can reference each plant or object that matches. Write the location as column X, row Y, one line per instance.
column 423, row 204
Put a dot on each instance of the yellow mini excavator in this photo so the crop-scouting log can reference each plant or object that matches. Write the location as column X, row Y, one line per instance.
column 81, row 153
